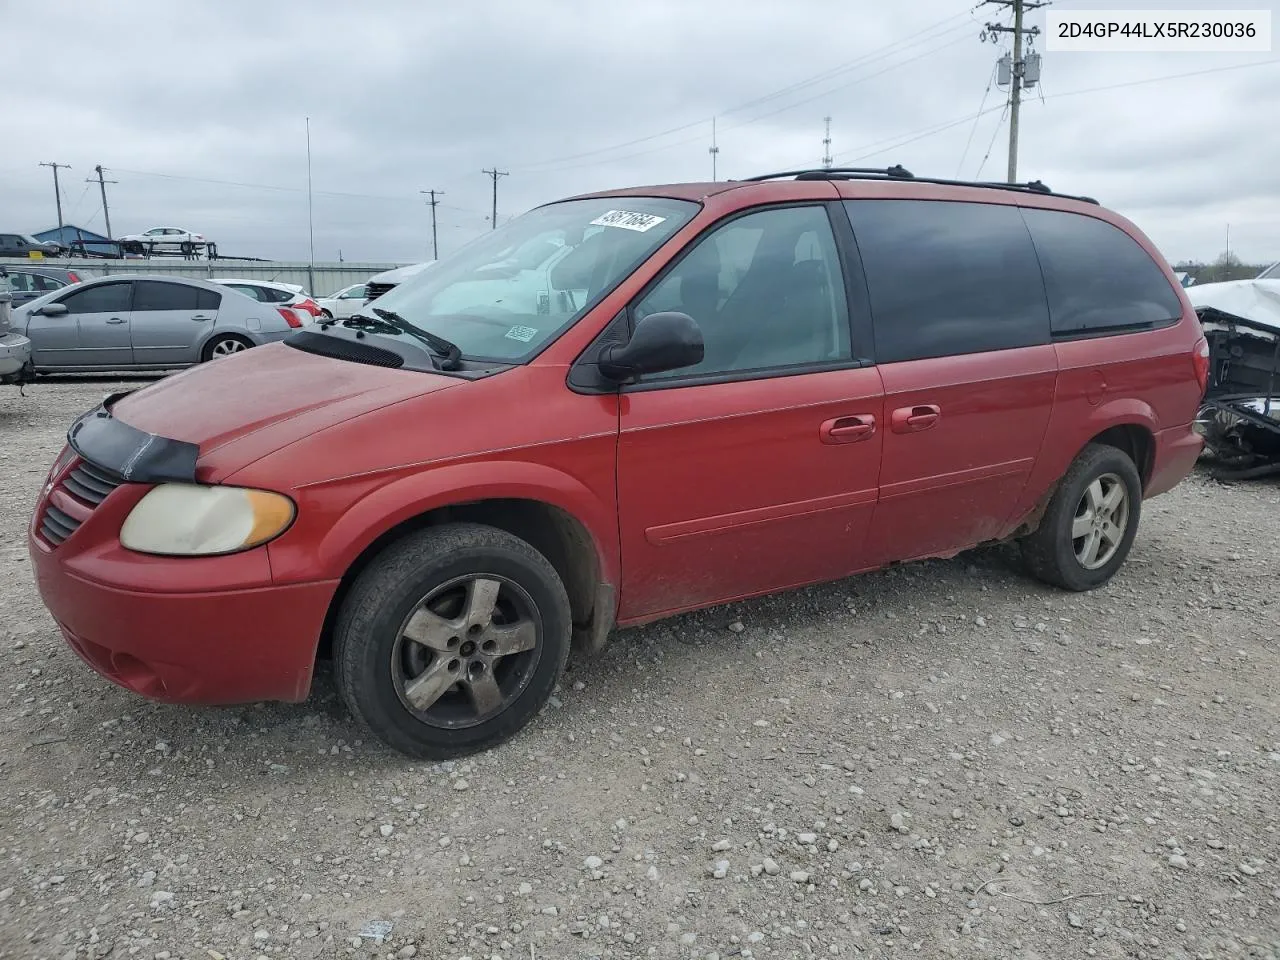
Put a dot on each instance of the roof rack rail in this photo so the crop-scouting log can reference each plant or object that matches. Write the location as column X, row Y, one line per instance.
column 899, row 172
column 896, row 172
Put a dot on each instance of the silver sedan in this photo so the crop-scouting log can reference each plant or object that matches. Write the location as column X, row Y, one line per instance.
column 146, row 323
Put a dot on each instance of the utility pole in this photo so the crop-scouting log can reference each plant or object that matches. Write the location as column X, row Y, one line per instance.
column 826, row 144
column 713, row 150
column 102, row 186
column 495, row 173
column 57, row 192
column 435, row 247
column 311, row 223
column 1019, row 72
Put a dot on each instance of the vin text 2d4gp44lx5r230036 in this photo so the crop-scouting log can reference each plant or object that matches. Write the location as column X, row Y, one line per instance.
column 613, row 409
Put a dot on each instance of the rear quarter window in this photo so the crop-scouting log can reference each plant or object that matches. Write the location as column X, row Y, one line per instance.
column 948, row 278
column 1098, row 278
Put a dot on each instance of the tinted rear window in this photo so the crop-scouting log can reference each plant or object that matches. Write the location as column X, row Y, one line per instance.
column 948, row 278
column 1098, row 278
column 153, row 295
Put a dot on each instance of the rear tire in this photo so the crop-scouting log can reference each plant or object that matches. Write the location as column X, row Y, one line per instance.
column 451, row 640
column 223, row 346
column 1089, row 526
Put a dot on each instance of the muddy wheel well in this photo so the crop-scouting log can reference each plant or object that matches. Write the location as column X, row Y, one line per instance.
column 1134, row 441
column 555, row 533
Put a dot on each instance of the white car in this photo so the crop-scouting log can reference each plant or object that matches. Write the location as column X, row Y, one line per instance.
column 167, row 240
column 390, row 279
column 345, row 303
column 271, row 291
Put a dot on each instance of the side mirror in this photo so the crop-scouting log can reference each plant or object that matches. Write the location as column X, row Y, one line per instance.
column 54, row 310
column 661, row 342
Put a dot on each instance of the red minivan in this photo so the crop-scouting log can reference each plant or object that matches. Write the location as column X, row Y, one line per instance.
column 616, row 408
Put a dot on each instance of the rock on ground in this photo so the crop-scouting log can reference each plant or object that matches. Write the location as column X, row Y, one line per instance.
column 1076, row 775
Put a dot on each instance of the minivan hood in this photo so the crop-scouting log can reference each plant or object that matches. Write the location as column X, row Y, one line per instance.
column 240, row 408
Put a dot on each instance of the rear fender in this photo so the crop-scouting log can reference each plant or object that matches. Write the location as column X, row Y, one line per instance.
column 1062, row 449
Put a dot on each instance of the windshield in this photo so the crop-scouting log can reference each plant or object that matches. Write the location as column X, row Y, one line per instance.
column 504, row 296
column 1271, row 273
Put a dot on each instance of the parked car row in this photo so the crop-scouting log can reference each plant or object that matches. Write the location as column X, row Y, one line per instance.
column 146, row 323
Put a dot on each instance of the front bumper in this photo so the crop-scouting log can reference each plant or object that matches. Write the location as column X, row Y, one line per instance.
column 205, row 630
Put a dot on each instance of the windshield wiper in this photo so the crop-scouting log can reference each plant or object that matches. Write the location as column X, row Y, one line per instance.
column 450, row 354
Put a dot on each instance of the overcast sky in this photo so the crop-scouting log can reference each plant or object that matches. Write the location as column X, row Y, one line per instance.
column 197, row 109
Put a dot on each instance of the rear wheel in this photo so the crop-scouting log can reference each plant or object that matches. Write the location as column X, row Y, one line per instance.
column 451, row 640
column 224, row 346
column 1088, row 529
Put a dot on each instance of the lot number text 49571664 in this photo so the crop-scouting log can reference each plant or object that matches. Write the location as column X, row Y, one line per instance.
column 1119, row 31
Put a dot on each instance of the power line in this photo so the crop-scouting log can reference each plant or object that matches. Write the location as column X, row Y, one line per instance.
column 921, row 133
column 861, row 60
column 75, row 207
column 495, row 173
column 765, row 116
column 976, row 117
column 991, row 146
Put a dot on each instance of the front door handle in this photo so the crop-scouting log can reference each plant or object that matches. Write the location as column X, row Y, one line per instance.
column 914, row 419
column 847, row 429
column 202, row 318
column 116, row 320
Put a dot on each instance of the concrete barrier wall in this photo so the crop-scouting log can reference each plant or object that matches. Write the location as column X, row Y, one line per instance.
column 320, row 279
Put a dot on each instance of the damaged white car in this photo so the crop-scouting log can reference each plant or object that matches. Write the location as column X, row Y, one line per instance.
column 1240, row 417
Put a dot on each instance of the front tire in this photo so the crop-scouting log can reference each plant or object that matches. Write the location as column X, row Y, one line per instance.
column 1089, row 526
column 451, row 640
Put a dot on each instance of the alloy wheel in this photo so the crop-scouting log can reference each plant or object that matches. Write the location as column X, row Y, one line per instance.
column 466, row 651
column 1101, row 519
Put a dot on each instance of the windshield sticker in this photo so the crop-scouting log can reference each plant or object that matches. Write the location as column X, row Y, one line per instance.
column 628, row 220
column 523, row 334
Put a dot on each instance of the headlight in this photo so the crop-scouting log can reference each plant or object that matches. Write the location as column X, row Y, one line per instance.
column 183, row 519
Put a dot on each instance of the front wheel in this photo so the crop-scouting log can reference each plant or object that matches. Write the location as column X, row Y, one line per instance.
column 1089, row 526
column 451, row 640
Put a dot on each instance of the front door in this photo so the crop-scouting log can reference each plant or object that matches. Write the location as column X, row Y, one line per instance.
column 168, row 322
column 94, row 332
column 961, row 329
column 755, row 470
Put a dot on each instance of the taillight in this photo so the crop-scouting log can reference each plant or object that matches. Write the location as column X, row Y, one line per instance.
column 1200, row 360
column 290, row 317
column 310, row 306
column 71, row 275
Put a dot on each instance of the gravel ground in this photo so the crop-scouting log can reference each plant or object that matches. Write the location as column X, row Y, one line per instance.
column 945, row 759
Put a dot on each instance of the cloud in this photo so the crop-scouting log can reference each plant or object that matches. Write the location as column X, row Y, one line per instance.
column 198, row 111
